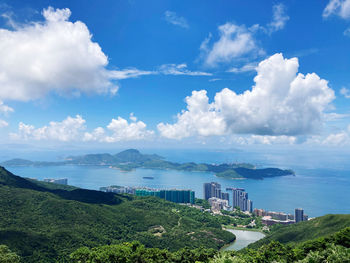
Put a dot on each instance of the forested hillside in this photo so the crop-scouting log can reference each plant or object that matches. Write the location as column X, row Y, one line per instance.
column 44, row 224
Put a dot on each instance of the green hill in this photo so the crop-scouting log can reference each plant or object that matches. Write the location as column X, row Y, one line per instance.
column 303, row 231
column 44, row 224
column 132, row 158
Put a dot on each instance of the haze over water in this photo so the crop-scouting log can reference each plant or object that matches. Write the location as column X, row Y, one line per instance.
column 321, row 184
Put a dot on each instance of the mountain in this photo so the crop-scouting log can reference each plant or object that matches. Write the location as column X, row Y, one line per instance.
column 132, row 158
column 303, row 231
column 46, row 224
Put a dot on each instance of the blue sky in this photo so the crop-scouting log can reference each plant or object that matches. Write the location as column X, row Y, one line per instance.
column 117, row 73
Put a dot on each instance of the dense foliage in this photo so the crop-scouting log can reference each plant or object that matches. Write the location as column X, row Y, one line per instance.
column 333, row 248
column 303, row 231
column 130, row 159
column 135, row 252
column 7, row 256
column 44, row 224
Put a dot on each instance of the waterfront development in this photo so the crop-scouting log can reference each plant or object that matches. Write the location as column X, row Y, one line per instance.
column 306, row 189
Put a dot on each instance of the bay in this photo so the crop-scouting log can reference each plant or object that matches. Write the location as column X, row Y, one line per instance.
column 321, row 184
column 243, row 239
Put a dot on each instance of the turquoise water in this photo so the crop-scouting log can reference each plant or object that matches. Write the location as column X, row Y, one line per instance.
column 321, row 184
column 318, row 192
column 243, row 239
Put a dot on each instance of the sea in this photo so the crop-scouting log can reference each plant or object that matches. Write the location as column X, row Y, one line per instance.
column 321, row 184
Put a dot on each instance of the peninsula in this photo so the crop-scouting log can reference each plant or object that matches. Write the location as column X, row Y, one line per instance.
column 132, row 159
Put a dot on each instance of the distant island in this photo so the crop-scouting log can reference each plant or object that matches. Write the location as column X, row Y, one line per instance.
column 132, row 159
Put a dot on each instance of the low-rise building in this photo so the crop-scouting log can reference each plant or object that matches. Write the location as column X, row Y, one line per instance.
column 63, row 181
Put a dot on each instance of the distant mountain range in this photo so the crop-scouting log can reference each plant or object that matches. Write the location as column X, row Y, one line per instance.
column 132, row 158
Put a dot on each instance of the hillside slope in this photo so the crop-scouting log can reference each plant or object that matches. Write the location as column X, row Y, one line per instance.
column 43, row 225
column 303, row 231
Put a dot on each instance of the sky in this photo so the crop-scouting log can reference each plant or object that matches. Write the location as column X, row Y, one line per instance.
column 175, row 74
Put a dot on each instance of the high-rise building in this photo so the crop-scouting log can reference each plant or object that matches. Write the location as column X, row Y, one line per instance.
column 299, row 215
column 173, row 195
column 250, row 206
column 240, row 199
column 212, row 189
column 225, row 196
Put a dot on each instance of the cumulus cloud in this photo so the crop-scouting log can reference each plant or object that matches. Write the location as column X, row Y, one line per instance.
column 68, row 130
column 200, row 118
column 120, row 130
column 345, row 92
column 337, row 7
column 238, row 41
column 234, row 41
column 74, row 129
column 282, row 102
column 54, row 55
column 180, row 69
column 173, row 18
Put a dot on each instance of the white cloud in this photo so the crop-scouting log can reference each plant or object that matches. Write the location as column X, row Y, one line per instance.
column 74, row 129
column 173, row 18
column 345, row 92
column 200, row 118
column 54, row 55
column 3, row 124
column 246, row 68
column 338, row 139
column 180, row 69
column 235, row 41
column 120, row 130
column 282, row 102
column 337, row 7
column 279, row 18
column 68, row 130
column 5, row 109
column 128, row 73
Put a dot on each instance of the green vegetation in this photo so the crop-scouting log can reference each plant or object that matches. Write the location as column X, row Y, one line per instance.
column 131, row 159
column 135, row 252
column 42, row 222
column 45, row 224
column 303, row 231
column 7, row 256
column 333, row 248
column 231, row 174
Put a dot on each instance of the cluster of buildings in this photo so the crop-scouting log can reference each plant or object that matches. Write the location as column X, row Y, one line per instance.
column 216, row 198
column 119, row 189
column 271, row 218
column 172, row 195
column 63, row 181
column 220, row 200
column 240, row 199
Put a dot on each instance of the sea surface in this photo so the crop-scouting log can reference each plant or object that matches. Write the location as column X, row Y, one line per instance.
column 321, row 184
column 243, row 239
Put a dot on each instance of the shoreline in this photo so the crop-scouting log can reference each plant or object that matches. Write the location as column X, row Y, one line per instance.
column 223, row 248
